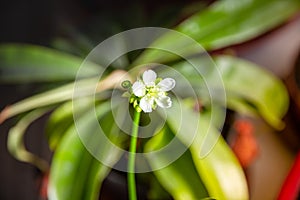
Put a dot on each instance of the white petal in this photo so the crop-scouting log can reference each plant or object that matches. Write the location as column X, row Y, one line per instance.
column 146, row 104
column 164, row 102
column 149, row 77
column 138, row 89
column 166, row 84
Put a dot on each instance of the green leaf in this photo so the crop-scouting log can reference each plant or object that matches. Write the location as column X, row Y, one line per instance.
column 62, row 118
column 229, row 22
column 180, row 178
column 15, row 140
column 156, row 190
column 57, row 95
column 220, row 169
column 21, row 63
column 79, row 89
column 75, row 173
column 71, row 168
column 247, row 83
column 224, row 23
column 249, row 88
column 216, row 164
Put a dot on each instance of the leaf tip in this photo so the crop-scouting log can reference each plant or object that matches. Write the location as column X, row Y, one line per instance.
column 4, row 114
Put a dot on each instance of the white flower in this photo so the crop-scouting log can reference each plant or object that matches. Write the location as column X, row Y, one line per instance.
column 152, row 91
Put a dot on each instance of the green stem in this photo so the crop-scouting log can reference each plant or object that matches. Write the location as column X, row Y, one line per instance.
column 131, row 157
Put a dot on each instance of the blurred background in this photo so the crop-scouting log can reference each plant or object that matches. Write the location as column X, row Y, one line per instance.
column 55, row 23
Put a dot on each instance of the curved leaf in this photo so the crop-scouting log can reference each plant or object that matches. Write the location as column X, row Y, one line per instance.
column 75, row 173
column 57, row 95
column 21, row 63
column 220, row 169
column 70, row 169
column 224, row 23
column 180, row 178
column 15, row 140
column 229, row 22
column 216, row 164
column 249, row 83
column 62, row 118
column 84, row 87
column 249, row 88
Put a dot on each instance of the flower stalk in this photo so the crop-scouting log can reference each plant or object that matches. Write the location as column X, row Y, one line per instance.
column 131, row 157
column 145, row 95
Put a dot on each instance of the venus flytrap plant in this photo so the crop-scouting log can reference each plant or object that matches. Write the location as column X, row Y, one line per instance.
column 145, row 94
column 76, row 174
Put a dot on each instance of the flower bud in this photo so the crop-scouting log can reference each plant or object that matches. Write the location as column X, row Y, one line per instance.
column 126, row 84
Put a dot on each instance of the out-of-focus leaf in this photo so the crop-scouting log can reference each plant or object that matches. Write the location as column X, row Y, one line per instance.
column 218, row 168
column 15, row 141
column 71, row 168
column 59, row 122
column 252, row 85
column 156, row 190
column 249, row 88
column 62, row 118
column 229, row 22
column 50, row 97
column 21, row 63
column 224, row 23
column 75, row 173
column 84, row 87
column 180, row 178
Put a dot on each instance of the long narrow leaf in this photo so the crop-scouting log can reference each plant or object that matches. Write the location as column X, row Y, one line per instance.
column 15, row 141
column 224, row 23
column 229, row 22
column 21, row 63
column 249, row 88
column 85, row 87
column 180, row 178
column 62, row 118
column 75, row 172
column 246, row 81
column 70, row 168
column 215, row 162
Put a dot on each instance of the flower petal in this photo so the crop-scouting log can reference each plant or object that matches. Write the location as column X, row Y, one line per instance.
column 146, row 104
column 164, row 101
column 138, row 89
column 166, row 84
column 149, row 77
